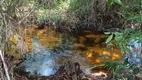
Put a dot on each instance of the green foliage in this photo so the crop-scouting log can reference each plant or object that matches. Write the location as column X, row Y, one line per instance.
column 42, row 18
column 112, row 65
column 49, row 14
column 80, row 7
column 122, row 39
column 127, row 10
column 123, row 70
column 109, row 38
column 136, row 70
column 82, row 13
column 129, row 13
column 113, row 2
column 127, row 5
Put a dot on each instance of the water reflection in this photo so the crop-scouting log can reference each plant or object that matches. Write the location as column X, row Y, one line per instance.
column 90, row 45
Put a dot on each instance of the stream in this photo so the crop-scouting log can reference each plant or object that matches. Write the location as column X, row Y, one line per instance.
column 50, row 49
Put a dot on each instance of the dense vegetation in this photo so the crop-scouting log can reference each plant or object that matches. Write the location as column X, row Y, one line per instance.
column 122, row 19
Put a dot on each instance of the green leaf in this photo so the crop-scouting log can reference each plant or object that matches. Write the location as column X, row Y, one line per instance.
column 93, row 66
column 126, row 61
column 118, row 2
column 133, row 18
column 107, row 32
column 131, row 66
column 109, row 38
column 110, row 4
column 120, row 69
column 111, row 44
column 118, row 38
column 117, row 33
column 126, row 7
column 135, row 71
column 128, row 50
column 121, row 46
column 107, row 64
column 111, row 65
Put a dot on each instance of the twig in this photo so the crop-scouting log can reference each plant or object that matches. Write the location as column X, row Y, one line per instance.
column 26, row 16
column 31, row 12
column 5, row 66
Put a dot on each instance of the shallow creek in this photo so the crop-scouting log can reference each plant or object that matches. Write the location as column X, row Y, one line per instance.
column 87, row 44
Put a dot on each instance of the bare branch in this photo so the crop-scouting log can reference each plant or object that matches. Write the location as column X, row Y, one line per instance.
column 5, row 66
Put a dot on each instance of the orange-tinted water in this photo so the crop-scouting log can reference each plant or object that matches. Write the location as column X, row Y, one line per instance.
column 90, row 45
